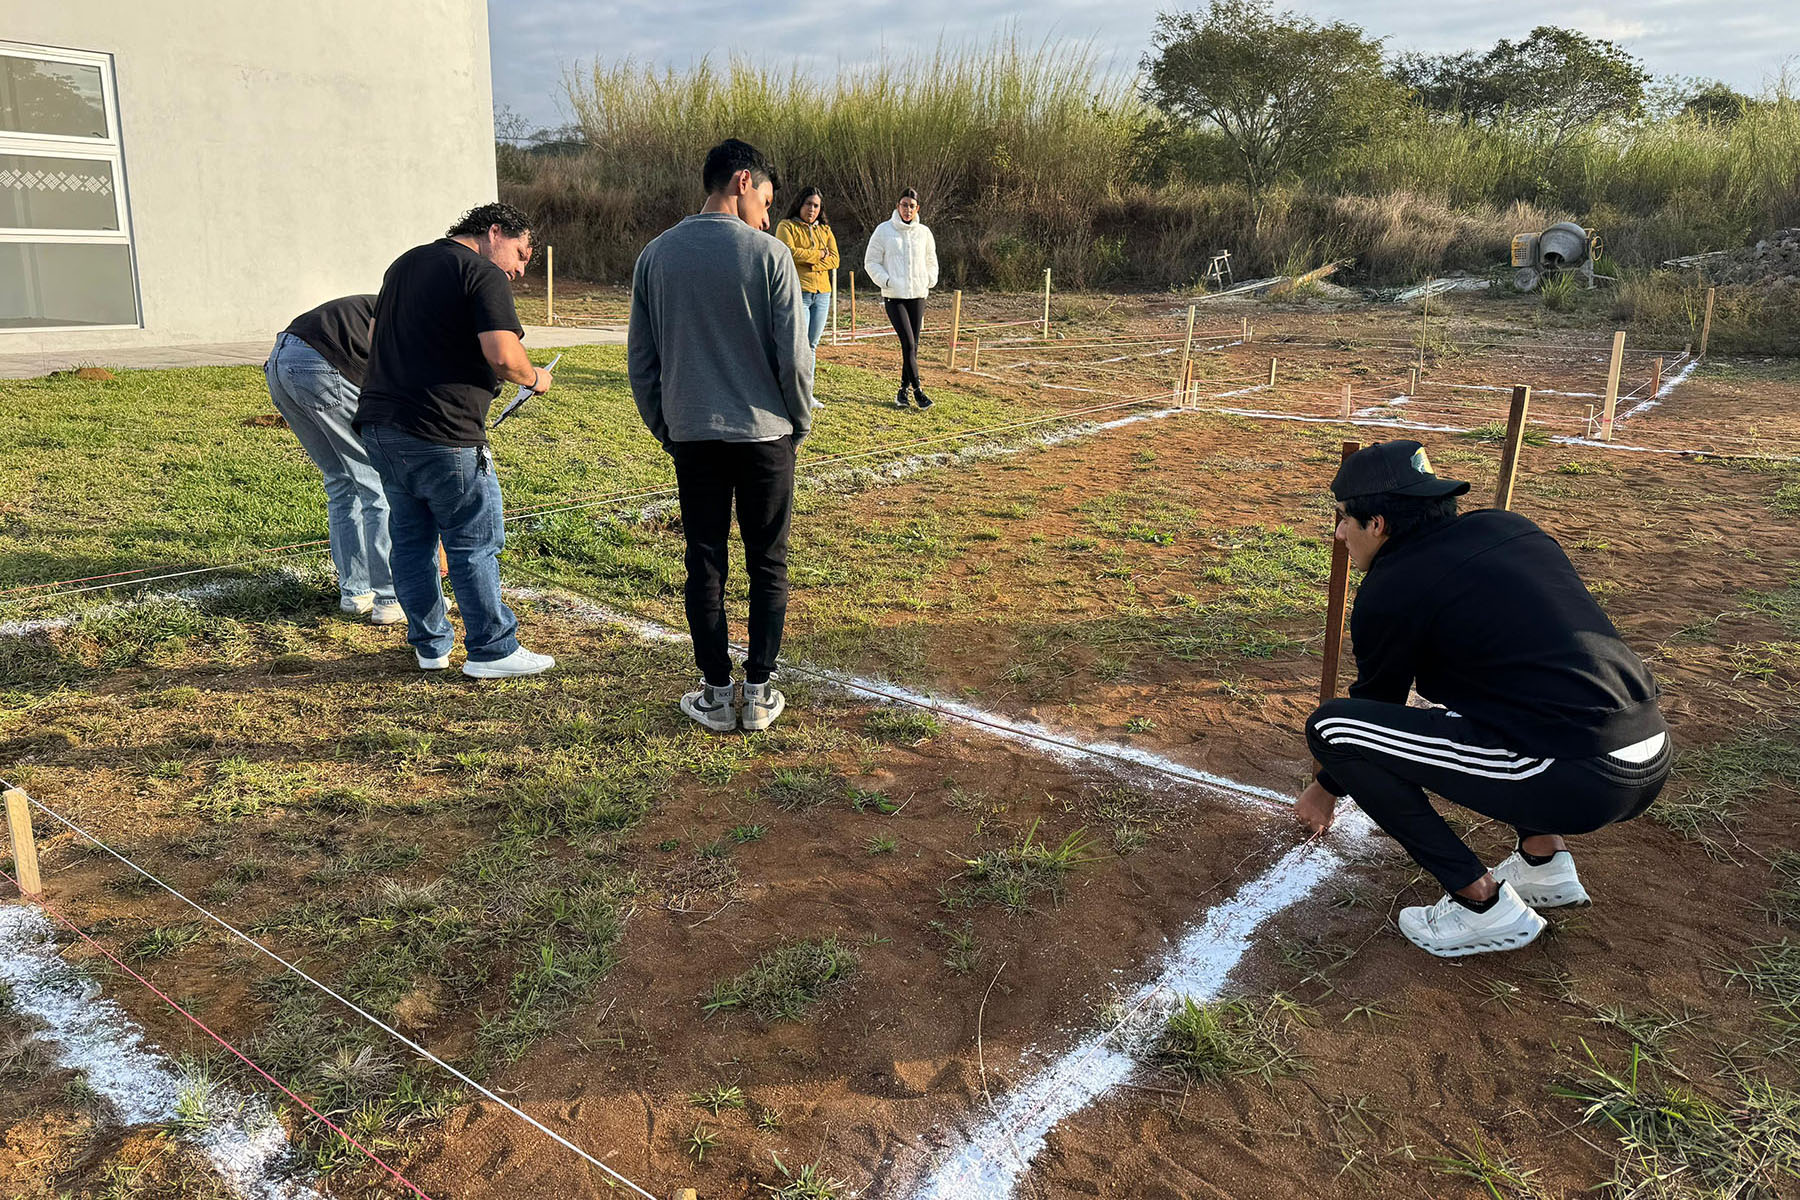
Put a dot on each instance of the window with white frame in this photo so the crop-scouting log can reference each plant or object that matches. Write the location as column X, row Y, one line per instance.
column 65, row 232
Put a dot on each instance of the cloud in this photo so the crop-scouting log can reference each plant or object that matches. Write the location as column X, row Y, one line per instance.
column 1744, row 42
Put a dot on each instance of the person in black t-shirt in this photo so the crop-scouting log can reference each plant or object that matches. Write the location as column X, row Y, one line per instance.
column 314, row 376
column 1548, row 721
column 446, row 336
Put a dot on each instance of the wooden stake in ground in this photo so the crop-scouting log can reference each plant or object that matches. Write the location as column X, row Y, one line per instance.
column 1243, row 328
column 1515, row 440
column 1271, row 372
column 955, row 325
column 1612, row 386
column 24, row 848
column 1656, row 377
column 1413, row 388
column 1424, row 325
column 1046, row 303
column 1336, row 594
column 1187, row 347
column 974, row 354
column 1187, row 383
column 1346, row 413
column 853, row 306
column 549, row 285
column 1706, row 325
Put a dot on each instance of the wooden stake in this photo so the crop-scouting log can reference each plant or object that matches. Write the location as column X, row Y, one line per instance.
column 1243, row 327
column 1413, row 388
column 1187, row 383
column 974, row 354
column 1271, row 372
column 1187, row 347
column 853, row 306
column 1338, row 591
column 24, row 848
column 1612, row 386
column 688, row 1194
column 1655, row 376
column 1424, row 325
column 1706, row 325
column 1509, row 453
column 955, row 325
column 549, row 285
column 1046, row 303
column 1346, row 412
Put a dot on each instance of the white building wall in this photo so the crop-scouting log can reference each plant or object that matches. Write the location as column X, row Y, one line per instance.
column 277, row 154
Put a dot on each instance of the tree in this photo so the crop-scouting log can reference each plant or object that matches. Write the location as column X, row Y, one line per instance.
column 1716, row 103
column 1281, row 89
column 1558, row 81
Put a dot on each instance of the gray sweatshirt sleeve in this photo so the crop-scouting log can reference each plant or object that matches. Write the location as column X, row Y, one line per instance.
column 643, row 354
column 793, row 348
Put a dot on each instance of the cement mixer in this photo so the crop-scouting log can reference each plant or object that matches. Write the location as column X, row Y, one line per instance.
column 1560, row 249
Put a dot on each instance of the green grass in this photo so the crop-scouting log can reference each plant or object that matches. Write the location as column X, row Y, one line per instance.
column 782, row 983
column 1214, row 1040
column 162, row 468
column 1718, row 782
column 1015, row 875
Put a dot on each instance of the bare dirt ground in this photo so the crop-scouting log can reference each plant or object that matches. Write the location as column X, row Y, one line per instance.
column 1158, row 585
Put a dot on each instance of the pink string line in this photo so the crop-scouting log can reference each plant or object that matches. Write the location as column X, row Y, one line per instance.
column 325, row 1120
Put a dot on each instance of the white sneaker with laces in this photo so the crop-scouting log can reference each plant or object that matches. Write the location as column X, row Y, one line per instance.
column 387, row 614
column 519, row 662
column 763, row 702
column 431, row 664
column 1451, row 930
column 713, row 706
column 1553, row 885
column 356, row 606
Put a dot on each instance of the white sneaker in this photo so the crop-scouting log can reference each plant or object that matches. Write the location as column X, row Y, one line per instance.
column 713, row 707
column 1450, row 930
column 817, row 405
column 1553, row 885
column 357, row 606
column 763, row 702
column 387, row 614
column 431, row 664
column 519, row 662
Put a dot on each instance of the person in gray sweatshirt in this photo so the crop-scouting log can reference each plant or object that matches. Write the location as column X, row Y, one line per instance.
column 722, row 371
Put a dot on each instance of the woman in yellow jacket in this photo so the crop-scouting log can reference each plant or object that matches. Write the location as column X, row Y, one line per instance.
column 809, row 236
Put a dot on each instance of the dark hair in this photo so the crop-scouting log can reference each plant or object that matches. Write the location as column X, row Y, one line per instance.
column 807, row 193
column 1405, row 514
column 731, row 156
column 909, row 194
column 476, row 221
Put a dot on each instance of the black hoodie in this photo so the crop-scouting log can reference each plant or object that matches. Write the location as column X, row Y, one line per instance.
column 1485, row 615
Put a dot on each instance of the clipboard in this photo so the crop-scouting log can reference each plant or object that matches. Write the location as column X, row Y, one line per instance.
column 525, row 393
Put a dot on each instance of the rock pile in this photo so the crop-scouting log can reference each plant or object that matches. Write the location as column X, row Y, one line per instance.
column 1773, row 261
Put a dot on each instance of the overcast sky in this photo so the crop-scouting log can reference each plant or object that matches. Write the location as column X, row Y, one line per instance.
column 1740, row 41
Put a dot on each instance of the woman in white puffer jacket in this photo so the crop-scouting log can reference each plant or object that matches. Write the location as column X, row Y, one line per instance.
column 902, row 260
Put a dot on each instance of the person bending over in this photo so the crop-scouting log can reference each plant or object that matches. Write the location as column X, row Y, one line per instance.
column 446, row 334
column 1544, row 719
column 315, row 375
column 722, row 372
column 902, row 260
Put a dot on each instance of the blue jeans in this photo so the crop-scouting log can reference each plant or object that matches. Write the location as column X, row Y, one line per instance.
column 449, row 494
column 318, row 404
column 818, row 309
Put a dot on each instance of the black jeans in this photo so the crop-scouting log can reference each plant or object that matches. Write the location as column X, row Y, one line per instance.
column 908, row 318
column 1387, row 755
column 760, row 475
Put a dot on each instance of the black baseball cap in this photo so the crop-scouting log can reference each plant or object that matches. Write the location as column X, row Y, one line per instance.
column 1393, row 468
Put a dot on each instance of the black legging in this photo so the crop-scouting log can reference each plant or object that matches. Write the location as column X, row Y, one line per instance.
column 908, row 318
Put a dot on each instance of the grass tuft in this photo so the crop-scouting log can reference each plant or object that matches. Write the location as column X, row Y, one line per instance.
column 785, row 981
column 1208, row 1041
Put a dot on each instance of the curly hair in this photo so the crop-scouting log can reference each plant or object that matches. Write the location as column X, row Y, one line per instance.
column 477, row 221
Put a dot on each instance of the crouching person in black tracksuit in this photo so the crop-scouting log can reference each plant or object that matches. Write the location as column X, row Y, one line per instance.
column 1547, row 721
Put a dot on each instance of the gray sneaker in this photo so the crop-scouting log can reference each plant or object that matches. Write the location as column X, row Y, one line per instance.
column 763, row 702
column 1552, row 885
column 389, row 613
column 713, row 707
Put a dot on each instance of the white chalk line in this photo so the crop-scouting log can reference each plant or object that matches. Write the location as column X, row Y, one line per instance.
column 89, row 1033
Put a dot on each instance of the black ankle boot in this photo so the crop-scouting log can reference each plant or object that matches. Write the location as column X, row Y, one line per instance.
column 900, row 397
column 919, row 395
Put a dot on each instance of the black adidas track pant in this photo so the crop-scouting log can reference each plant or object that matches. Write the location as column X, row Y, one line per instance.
column 1387, row 756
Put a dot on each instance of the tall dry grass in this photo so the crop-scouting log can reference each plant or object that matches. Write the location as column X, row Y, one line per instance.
column 1028, row 157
